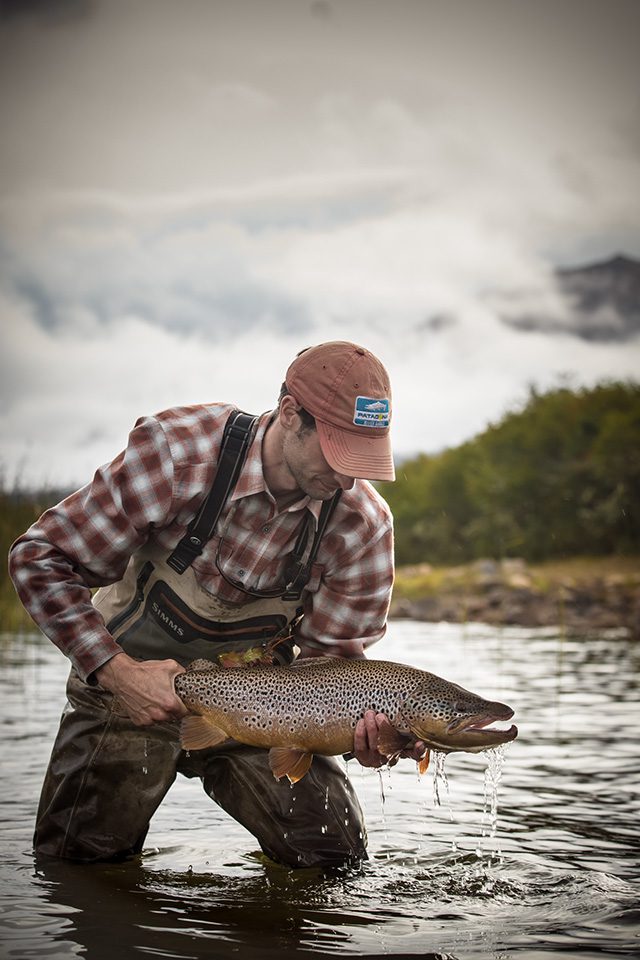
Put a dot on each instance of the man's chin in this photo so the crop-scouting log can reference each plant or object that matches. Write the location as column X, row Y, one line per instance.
column 318, row 492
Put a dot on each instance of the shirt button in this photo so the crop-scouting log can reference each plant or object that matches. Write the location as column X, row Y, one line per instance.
column 266, row 528
column 241, row 573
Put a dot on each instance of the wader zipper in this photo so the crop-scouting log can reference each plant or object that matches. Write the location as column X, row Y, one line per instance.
column 141, row 583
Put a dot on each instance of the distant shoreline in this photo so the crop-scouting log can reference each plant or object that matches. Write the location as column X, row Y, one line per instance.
column 578, row 594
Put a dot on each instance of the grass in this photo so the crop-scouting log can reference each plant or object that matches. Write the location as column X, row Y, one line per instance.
column 423, row 580
column 17, row 512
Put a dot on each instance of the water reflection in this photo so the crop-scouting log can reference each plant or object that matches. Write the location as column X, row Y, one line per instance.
column 559, row 871
column 179, row 914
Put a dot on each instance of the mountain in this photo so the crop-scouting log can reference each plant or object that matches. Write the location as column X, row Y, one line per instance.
column 599, row 302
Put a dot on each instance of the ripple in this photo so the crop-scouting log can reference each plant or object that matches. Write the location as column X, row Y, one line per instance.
column 560, row 873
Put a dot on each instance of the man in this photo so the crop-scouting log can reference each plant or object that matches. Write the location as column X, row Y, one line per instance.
column 299, row 551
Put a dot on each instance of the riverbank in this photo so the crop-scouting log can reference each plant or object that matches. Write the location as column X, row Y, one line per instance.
column 579, row 594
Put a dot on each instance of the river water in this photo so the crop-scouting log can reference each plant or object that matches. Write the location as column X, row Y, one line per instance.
column 551, row 867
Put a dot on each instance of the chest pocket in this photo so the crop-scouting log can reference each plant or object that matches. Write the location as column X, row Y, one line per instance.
column 165, row 608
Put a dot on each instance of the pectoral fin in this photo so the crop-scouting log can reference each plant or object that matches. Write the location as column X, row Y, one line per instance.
column 390, row 741
column 289, row 762
column 423, row 763
column 197, row 733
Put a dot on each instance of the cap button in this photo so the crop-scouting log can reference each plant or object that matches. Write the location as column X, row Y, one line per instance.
column 360, row 351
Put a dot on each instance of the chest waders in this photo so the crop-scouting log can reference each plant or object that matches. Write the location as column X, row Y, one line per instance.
column 158, row 610
column 107, row 776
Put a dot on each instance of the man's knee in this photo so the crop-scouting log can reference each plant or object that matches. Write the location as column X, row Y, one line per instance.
column 316, row 822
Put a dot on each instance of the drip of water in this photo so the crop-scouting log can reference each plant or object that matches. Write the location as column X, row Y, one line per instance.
column 382, row 803
column 492, row 776
column 440, row 779
column 382, row 796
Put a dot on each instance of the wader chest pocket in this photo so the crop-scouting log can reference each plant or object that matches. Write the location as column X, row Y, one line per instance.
column 164, row 609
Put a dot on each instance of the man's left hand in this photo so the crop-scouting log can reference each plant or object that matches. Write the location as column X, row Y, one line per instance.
column 365, row 743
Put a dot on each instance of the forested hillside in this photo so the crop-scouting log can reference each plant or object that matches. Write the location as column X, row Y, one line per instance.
column 559, row 478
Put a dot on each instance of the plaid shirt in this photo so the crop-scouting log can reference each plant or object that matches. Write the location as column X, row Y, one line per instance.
column 151, row 491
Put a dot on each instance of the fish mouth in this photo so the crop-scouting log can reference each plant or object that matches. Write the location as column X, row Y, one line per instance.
column 470, row 734
column 477, row 728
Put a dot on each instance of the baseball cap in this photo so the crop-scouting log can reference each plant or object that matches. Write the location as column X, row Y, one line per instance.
column 347, row 389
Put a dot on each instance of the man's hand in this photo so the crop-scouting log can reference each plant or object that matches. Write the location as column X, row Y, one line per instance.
column 144, row 688
column 365, row 743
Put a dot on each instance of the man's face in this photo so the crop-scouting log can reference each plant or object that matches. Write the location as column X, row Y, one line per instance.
column 306, row 463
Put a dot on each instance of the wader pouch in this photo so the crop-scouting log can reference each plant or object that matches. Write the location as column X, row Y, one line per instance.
column 166, row 617
column 156, row 613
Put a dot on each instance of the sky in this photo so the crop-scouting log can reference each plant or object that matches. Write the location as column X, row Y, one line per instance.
column 191, row 191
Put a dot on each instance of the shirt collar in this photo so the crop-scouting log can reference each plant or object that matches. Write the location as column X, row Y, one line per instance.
column 251, row 480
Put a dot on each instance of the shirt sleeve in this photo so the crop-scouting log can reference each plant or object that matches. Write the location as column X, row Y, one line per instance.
column 87, row 540
column 348, row 612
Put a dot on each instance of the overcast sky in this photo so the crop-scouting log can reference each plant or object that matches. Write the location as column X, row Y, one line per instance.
column 193, row 190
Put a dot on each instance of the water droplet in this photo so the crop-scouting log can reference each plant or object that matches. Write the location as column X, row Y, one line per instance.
column 492, row 776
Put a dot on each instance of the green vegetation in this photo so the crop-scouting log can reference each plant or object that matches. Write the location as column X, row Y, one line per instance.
column 17, row 512
column 423, row 580
column 559, row 478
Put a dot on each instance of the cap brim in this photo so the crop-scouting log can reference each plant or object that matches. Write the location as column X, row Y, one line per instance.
column 354, row 455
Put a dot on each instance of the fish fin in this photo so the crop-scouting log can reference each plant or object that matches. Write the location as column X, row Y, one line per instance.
column 197, row 733
column 390, row 741
column 423, row 763
column 289, row 762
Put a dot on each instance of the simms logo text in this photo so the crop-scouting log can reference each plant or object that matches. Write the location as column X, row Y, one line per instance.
column 167, row 621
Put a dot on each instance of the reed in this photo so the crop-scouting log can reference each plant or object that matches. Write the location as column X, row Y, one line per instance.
column 18, row 510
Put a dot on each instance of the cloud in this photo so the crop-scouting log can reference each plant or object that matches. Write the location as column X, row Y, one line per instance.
column 133, row 314
column 249, row 181
column 70, row 397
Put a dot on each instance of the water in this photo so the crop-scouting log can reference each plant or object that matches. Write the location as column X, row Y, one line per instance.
column 552, row 867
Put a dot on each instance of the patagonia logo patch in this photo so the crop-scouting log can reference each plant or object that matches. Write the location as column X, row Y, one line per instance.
column 372, row 412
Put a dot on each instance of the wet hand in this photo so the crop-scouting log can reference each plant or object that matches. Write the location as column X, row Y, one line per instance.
column 144, row 688
column 365, row 740
column 365, row 743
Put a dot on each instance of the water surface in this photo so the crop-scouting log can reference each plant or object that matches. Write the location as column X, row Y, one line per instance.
column 554, row 869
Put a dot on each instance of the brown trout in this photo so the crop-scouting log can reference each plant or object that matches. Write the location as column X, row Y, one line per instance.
column 313, row 706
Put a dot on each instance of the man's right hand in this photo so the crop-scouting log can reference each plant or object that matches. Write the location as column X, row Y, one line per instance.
column 144, row 688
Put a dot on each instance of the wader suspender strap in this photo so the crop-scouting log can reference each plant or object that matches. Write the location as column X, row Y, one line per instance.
column 297, row 573
column 238, row 434
column 236, row 440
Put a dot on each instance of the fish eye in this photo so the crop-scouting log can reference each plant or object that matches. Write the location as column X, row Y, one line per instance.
column 460, row 706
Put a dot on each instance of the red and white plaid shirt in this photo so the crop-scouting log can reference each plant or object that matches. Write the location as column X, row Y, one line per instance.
column 151, row 491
